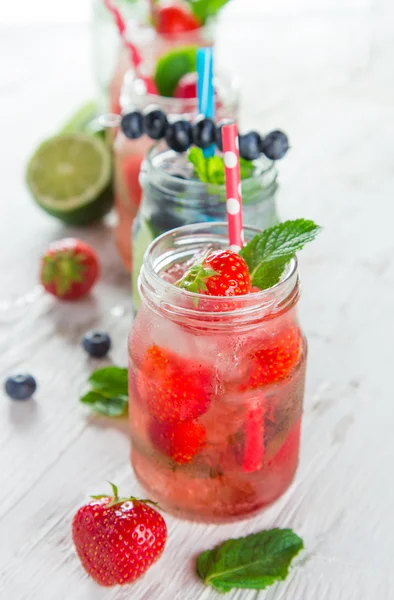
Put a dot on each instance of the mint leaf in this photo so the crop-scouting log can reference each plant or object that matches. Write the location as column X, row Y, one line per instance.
column 109, row 407
column 204, row 9
column 110, row 381
column 215, row 170
column 268, row 252
column 246, row 168
column 196, row 157
column 252, row 562
column 109, row 393
column 211, row 169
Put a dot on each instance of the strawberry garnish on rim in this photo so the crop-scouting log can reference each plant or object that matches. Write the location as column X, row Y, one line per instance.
column 221, row 273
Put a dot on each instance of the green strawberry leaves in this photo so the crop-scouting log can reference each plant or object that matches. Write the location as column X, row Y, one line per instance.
column 64, row 268
column 252, row 562
column 204, row 9
column 211, row 169
column 268, row 252
column 109, row 393
column 195, row 278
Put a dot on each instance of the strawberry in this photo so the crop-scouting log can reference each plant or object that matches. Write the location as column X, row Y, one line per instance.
column 69, row 269
column 181, row 441
column 173, row 20
column 273, row 361
column 187, row 86
column 174, row 388
column 118, row 539
column 221, row 273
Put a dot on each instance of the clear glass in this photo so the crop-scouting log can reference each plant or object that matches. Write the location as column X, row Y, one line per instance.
column 216, row 386
column 169, row 201
column 129, row 154
column 111, row 60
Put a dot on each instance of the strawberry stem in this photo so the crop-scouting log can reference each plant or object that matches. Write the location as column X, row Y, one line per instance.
column 116, row 499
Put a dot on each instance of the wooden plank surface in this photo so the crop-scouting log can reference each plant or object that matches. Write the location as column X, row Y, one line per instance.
column 323, row 71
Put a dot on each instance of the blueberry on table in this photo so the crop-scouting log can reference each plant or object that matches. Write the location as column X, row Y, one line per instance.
column 204, row 133
column 275, row 145
column 155, row 122
column 250, row 145
column 179, row 136
column 21, row 386
column 132, row 125
column 96, row 343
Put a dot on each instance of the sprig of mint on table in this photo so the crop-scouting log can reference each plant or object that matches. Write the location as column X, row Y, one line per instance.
column 252, row 562
column 268, row 253
column 108, row 395
column 211, row 169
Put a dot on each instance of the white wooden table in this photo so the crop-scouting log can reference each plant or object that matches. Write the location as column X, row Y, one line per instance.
column 323, row 71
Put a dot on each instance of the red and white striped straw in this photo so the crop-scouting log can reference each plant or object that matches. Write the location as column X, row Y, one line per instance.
column 233, row 186
column 254, row 418
column 135, row 56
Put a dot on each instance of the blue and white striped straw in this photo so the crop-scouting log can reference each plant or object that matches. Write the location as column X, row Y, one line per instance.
column 206, row 95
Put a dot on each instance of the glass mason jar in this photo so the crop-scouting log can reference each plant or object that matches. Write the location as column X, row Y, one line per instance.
column 129, row 154
column 171, row 199
column 111, row 59
column 216, row 387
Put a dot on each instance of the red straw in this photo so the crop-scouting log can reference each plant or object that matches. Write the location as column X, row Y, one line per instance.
column 254, row 423
column 135, row 56
column 233, row 186
column 254, row 439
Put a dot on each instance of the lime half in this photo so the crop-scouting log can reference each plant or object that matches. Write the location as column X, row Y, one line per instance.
column 171, row 67
column 84, row 120
column 70, row 178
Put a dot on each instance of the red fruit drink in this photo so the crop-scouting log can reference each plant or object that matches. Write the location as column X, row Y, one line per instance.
column 129, row 154
column 216, row 385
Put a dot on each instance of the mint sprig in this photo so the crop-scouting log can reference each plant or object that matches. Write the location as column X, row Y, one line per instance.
column 204, row 9
column 108, row 395
column 252, row 562
column 211, row 169
column 268, row 253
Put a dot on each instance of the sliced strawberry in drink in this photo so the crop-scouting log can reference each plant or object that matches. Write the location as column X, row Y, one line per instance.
column 175, row 388
column 181, row 441
column 274, row 360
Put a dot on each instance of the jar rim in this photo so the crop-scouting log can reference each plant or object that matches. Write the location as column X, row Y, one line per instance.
column 271, row 300
column 133, row 90
column 264, row 168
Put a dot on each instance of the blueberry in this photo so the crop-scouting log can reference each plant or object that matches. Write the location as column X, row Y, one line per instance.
column 275, row 145
column 96, row 343
column 218, row 136
column 156, row 123
column 132, row 125
column 20, row 387
column 250, row 145
column 179, row 136
column 204, row 133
